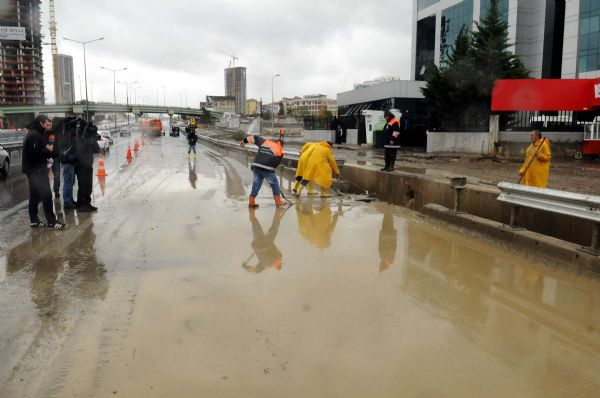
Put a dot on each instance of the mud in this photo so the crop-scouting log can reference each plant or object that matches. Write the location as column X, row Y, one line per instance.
column 175, row 288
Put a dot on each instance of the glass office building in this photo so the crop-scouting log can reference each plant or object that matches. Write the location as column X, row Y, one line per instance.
column 554, row 38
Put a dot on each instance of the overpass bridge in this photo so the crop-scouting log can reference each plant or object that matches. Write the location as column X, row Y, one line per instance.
column 80, row 109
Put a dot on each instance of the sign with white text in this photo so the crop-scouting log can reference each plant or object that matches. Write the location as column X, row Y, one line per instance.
column 12, row 33
column 597, row 90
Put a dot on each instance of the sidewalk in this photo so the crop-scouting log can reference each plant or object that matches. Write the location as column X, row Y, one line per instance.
column 565, row 174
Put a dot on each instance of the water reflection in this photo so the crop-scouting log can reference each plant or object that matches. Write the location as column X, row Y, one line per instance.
column 387, row 242
column 63, row 268
column 518, row 313
column 317, row 225
column 263, row 245
column 192, row 176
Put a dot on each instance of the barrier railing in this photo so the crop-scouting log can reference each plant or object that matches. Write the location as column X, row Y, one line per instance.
column 581, row 206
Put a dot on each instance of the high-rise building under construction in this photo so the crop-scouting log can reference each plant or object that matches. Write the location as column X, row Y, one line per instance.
column 21, row 73
column 235, row 86
column 66, row 79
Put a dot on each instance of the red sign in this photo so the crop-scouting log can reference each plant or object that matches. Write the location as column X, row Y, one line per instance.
column 546, row 95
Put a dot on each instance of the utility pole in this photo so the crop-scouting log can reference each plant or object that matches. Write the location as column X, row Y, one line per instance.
column 87, row 103
column 272, row 102
column 127, row 84
column 114, row 72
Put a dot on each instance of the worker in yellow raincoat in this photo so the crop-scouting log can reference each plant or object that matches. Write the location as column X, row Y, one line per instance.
column 320, row 168
column 536, row 167
column 305, row 152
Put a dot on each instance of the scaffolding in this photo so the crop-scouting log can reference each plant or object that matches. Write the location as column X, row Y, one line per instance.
column 21, row 70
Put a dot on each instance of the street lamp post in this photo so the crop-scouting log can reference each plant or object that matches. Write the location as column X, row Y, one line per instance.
column 164, row 96
column 272, row 102
column 186, row 105
column 83, row 43
column 127, row 84
column 114, row 71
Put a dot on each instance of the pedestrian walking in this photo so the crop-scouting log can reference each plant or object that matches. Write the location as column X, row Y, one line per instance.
column 536, row 166
column 36, row 152
column 391, row 140
column 192, row 139
column 320, row 168
column 87, row 146
column 268, row 157
column 339, row 135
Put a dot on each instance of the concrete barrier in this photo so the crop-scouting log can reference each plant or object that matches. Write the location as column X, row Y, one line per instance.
column 319, row 135
column 352, row 136
column 475, row 143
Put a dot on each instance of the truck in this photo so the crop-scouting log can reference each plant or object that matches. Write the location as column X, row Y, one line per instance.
column 151, row 127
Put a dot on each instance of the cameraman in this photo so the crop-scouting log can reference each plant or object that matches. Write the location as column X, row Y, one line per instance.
column 86, row 147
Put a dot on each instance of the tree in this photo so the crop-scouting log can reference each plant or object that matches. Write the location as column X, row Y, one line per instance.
column 459, row 92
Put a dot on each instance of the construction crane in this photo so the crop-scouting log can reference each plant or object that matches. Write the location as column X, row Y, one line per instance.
column 54, row 51
column 233, row 58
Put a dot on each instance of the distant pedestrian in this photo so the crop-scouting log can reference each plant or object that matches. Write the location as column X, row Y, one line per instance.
column 391, row 140
column 36, row 152
column 192, row 139
column 87, row 146
column 339, row 135
column 536, row 166
column 320, row 168
column 268, row 157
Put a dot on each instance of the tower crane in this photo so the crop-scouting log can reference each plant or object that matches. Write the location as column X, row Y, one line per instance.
column 232, row 56
column 54, row 50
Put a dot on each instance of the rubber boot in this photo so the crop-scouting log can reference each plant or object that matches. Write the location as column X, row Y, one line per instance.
column 278, row 201
column 295, row 187
column 325, row 193
column 310, row 190
column 252, row 202
column 299, row 190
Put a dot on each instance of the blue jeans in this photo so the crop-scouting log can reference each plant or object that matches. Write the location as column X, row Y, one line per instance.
column 192, row 148
column 68, row 182
column 263, row 174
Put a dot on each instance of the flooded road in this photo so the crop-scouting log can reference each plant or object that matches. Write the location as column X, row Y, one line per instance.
column 175, row 288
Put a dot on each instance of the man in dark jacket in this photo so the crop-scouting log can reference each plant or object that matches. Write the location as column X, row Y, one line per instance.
column 267, row 159
column 36, row 152
column 67, row 155
column 391, row 140
column 87, row 146
column 192, row 138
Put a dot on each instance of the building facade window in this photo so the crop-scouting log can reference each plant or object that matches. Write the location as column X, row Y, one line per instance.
column 589, row 36
column 453, row 20
column 502, row 9
column 425, row 46
column 421, row 4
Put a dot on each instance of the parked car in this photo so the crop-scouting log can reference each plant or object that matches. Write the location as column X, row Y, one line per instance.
column 103, row 143
column 124, row 131
column 4, row 162
column 106, row 135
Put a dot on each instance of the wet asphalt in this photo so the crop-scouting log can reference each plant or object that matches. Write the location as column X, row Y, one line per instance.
column 175, row 288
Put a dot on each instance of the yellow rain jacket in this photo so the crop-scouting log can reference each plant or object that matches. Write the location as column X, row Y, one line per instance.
column 320, row 165
column 537, row 173
column 305, row 152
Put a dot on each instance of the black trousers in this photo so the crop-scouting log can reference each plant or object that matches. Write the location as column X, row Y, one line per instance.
column 56, row 173
column 390, row 157
column 39, row 191
column 85, row 179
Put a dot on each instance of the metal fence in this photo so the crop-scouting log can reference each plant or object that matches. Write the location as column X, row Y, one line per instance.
column 546, row 121
column 467, row 122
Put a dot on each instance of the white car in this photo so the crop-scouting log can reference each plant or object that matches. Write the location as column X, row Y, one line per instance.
column 103, row 143
column 106, row 134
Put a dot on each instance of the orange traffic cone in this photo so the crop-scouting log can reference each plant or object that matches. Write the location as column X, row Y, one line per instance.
column 101, row 171
column 136, row 146
column 128, row 156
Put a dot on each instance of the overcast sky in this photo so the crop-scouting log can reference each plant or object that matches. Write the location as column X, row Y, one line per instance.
column 317, row 46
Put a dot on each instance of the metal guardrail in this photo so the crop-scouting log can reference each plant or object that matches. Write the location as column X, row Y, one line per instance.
column 80, row 109
column 584, row 207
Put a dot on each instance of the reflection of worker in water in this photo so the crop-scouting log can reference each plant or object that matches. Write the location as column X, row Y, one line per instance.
column 84, row 274
column 266, row 252
column 316, row 227
column 387, row 242
column 193, row 177
column 320, row 168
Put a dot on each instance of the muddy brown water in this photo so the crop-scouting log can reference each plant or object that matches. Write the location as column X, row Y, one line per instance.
column 174, row 288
